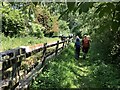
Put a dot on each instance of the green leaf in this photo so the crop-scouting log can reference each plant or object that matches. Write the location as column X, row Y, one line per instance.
column 91, row 4
column 109, row 8
column 71, row 5
column 118, row 6
column 105, row 10
column 80, row 11
column 63, row 13
column 85, row 6
column 110, row 5
column 115, row 25
column 77, row 7
column 35, row 3
column 99, row 8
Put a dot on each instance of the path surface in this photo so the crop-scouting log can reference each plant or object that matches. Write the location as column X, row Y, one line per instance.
column 66, row 72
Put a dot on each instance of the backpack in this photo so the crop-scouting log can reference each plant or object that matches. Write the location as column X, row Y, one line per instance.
column 85, row 42
column 77, row 44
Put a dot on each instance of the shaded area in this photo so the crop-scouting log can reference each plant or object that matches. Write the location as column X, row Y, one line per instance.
column 66, row 72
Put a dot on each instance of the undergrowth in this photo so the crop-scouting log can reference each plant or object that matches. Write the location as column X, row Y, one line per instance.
column 66, row 72
column 8, row 43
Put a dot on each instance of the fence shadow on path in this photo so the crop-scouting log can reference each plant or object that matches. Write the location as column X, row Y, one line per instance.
column 64, row 71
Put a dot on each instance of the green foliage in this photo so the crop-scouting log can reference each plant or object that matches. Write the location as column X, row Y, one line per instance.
column 66, row 72
column 105, row 9
column 110, row 76
column 14, row 42
column 43, row 16
column 107, row 35
column 19, row 18
column 85, row 6
column 64, row 29
column 37, row 30
column 74, row 7
column 102, row 23
column 70, row 5
column 12, row 21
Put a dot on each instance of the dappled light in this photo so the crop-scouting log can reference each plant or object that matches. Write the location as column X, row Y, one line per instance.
column 59, row 45
column 66, row 72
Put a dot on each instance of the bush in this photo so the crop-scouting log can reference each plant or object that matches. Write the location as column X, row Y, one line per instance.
column 12, row 21
column 37, row 30
column 64, row 28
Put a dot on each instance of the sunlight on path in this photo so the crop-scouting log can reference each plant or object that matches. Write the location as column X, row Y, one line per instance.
column 66, row 72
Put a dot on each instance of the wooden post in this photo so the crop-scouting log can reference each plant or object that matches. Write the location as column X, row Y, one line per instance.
column 69, row 38
column 14, row 68
column 68, row 41
column 23, row 53
column 1, row 73
column 44, row 52
column 57, row 48
column 63, row 44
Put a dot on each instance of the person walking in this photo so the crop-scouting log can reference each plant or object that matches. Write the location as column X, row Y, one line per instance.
column 77, row 47
column 85, row 46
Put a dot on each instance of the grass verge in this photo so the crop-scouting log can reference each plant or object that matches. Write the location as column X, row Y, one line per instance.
column 10, row 43
column 66, row 72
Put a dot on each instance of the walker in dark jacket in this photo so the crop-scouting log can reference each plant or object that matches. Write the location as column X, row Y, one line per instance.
column 77, row 48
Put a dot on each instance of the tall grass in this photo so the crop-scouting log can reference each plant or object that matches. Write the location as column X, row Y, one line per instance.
column 66, row 72
column 10, row 43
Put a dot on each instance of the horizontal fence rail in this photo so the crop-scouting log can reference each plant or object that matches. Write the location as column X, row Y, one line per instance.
column 18, row 66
